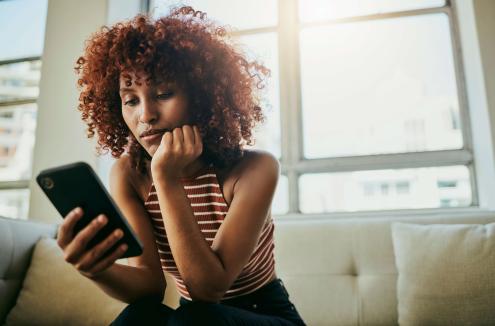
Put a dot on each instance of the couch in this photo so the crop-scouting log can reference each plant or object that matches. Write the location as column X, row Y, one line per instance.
column 337, row 271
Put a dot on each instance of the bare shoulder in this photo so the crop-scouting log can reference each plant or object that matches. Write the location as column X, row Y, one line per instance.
column 259, row 159
column 255, row 165
column 121, row 165
column 121, row 170
column 123, row 175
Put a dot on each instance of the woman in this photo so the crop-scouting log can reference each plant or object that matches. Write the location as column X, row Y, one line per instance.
column 175, row 103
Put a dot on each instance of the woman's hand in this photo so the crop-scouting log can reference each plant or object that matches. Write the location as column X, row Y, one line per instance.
column 177, row 149
column 88, row 262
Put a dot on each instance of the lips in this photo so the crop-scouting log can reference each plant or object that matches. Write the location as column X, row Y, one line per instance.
column 152, row 132
column 153, row 137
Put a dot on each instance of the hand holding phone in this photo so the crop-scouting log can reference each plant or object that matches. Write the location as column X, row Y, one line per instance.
column 86, row 242
column 89, row 262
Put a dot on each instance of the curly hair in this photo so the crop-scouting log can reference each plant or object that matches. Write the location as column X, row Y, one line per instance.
column 223, row 86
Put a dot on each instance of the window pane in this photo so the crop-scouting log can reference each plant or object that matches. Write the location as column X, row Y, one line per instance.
column 314, row 10
column 236, row 13
column 14, row 203
column 385, row 189
column 17, row 128
column 280, row 203
column 20, row 81
column 22, row 28
column 263, row 48
column 382, row 86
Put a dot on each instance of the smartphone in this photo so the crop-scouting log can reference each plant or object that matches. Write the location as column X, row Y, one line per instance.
column 76, row 184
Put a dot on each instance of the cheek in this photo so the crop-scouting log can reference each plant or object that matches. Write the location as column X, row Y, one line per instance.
column 180, row 117
column 183, row 115
column 180, row 111
column 129, row 121
column 132, row 121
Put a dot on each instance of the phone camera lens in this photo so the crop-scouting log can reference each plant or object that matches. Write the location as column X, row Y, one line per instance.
column 47, row 183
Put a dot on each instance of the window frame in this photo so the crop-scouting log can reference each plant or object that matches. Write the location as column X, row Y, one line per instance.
column 24, row 183
column 293, row 162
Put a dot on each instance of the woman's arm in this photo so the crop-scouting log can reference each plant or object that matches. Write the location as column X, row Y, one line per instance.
column 209, row 272
column 128, row 283
column 144, row 275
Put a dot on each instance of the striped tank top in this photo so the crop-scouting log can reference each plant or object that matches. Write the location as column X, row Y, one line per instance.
column 210, row 209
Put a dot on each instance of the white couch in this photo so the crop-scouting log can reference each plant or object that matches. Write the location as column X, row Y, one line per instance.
column 337, row 271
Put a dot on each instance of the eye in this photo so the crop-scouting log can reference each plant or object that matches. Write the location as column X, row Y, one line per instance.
column 165, row 95
column 131, row 102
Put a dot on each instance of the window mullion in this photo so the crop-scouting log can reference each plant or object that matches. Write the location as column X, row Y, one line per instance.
column 144, row 6
column 253, row 31
column 465, row 120
column 474, row 185
column 378, row 16
column 290, row 96
column 17, row 60
column 384, row 161
column 17, row 184
column 9, row 104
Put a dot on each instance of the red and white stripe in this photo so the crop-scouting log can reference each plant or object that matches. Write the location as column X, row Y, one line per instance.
column 210, row 209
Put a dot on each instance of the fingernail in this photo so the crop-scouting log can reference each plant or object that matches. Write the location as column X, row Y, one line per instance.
column 101, row 218
column 78, row 210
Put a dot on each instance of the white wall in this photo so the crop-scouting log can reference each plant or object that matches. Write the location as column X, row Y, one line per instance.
column 485, row 24
column 60, row 132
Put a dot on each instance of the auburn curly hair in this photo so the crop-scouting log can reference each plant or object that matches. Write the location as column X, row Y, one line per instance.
column 223, row 86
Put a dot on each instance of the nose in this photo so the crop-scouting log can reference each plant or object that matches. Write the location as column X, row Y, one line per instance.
column 149, row 112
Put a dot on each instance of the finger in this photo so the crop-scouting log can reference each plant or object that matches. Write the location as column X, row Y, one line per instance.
column 66, row 229
column 197, row 138
column 92, row 256
column 188, row 135
column 168, row 138
column 178, row 136
column 197, row 134
column 78, row 245
column 109, row 260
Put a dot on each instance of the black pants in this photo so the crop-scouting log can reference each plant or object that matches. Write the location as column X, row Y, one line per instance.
column 269, row 305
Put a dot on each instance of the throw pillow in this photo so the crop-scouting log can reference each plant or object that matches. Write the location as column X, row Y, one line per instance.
column 446, row 273
column 55, row 293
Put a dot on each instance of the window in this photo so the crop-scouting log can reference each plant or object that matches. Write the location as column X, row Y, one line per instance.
column 20, row 69
column 367, row 108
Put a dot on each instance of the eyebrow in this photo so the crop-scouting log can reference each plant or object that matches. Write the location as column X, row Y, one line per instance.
column 125, row 89
column 164, row 83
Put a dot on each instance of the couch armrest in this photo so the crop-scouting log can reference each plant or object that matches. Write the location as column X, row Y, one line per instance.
column 17, row 240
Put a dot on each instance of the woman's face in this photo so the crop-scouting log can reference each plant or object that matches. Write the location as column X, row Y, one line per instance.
column 156, row 108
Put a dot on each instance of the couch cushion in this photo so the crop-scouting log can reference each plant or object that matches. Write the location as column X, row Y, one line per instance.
column 17, row 240
column 342, row 271
column 446, row 274
column 55, row 293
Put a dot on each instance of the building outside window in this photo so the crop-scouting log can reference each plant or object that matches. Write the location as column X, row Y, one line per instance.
column 20, row 72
